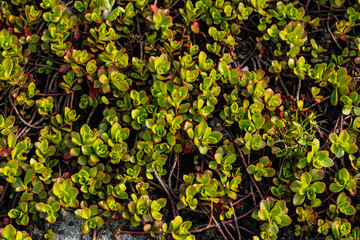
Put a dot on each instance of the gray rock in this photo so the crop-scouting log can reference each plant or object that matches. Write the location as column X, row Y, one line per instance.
column 68, row 227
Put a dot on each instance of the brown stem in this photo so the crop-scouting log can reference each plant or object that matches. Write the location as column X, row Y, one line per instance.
column 4, row 191
column 227, row 230
column 236, row 223
column 322, row 100
column 23, row 120
column 251, row 177
column 331, row 34
column 167, row 193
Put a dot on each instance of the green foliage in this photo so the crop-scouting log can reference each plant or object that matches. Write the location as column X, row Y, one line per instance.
column 89, row 214
column 108, row 107
column 261, row 169
column 308, row 186
column 49, row 209
column 318, row 159
column 343, row 180
column 202, row 136
column 344, row 142
column 9, row 232
column 179, row 229
column 66, row 193
column 274, row 213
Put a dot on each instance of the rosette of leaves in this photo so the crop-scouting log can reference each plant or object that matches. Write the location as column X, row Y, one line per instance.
column 233, row 113
column 277, row 67
column 115, row 137
column 157, row 127
column 342, row 84
column 87, row 146
column 119, row 190
column 295, row 36
column 45, row 105
column 344, row 142
column 343, row 180
column 177, row 96
column 223, row 161
column 159, row 65
column 100, row 36
column 70, row 83
column 76, row 58
column 21, row 213
column 261, row 169
column 49, row 210
column 202, row 136
column 342, row 205
column 308, row 185
column 350, row 104
column 110, row 205
column 301, row 67
column 144, row 209
column 10, row 233
column 89, row 214
column 208, row 187
column 160, row 20
column 7, row 125
column 114, row 57
column 254, row 120
column 274, row 212
column 306, row 215
column 189, row 199
column 272, row 100
column 66, row 193
column 319, row 159
column 91, row 180
column 340, row 228
column 179, row 229
column 10, row 71
column 250, row 142
column 10, row 170
column 44, row 150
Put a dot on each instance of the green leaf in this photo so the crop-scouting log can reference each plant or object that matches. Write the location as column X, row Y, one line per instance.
column 29, row 176
column 9, row 232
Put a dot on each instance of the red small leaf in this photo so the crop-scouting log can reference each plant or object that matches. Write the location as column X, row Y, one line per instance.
column 76, row 35
column 317, row 100
column 27, row 32
column 64, row 68
column 195, row 28
column 93, row 92
column 6, row 221
column 153, row 8
column 67, row 155
column 281, row 114
column 343, row 37
column 186, row 150
column 65, row 175
column 3, row 151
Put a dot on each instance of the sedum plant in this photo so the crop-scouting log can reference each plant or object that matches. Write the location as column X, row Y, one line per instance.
column 308, row 185
column 274, row 213
column 344, row 142
column 261, row 169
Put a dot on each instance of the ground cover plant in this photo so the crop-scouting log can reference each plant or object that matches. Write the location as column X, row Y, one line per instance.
column 181, row 119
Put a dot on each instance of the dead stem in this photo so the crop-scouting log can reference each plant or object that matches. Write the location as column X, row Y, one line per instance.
column 331, row 34
column 167, row 193
column 298, row 91
column 236, row 223
column 23, row 120
column 251, row 177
